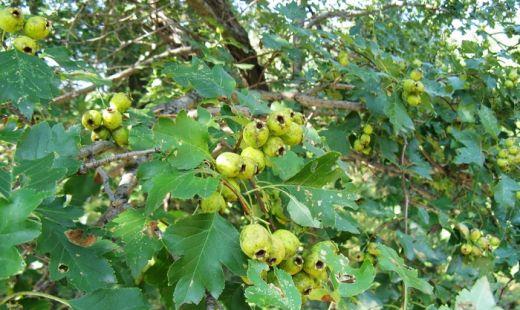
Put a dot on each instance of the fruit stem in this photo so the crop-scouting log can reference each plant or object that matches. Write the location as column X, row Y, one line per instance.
column 35, row 294
column 244, row 204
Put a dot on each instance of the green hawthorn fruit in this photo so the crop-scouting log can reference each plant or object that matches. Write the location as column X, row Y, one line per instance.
column 37, row 27
column 494, row 241
column 416, row 75
column 248, row 169
column 373, row 249
column 343, row 58
column 112, row 118
column 304, row 283
column 228, row 194
column 294, row 136
column 509, row 142
column 408, row 85
column 513, row 75
column 25, row 45
column 290, row 242
column 120, row 102
column 475, row 235
column 475, row 251
column 416, row 62
column 120, row 136
column 367, row 150
column 293, row 264
column 314, row 264
column 367, row 129
column 91, row 119
column 364, row 139
column 255, row 242
column 466, row 249
column 213, row 203
column 418, row 87
column 256, row 155
column 503, row 153
column 297, row 117
column 483, row 242
column 279, row 123
column 277, row 253
column 357, row 256
column 11, row 19
column 100, row 133
column 413, row 100
column 324, row 245
column 358, row 146
column 229, row 164
column 513, row 150
column 464, row 230
column 517, row 195
column 509, row 84
column 255, row 134
column 502, row 163
column 274, row 147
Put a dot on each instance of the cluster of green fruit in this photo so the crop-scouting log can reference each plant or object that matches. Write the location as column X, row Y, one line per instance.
column 477, row 244
column 511, row 80
column 362, row 144
column 356, row 255
column 413, row 88
column 283, row 249
column 109, row 122
column 509, row 155
column 35, row 28
column 260, row 141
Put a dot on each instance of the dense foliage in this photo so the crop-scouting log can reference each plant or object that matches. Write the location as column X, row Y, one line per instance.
column 259, row 154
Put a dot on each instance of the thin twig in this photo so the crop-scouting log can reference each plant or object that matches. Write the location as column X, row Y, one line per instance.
column 245, row 208
column 404, row 187
column 95, row 148
column 106, row 183
column 98, row 163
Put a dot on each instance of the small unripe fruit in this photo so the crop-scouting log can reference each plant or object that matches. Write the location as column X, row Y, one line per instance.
column 255, row 134
column 517, row 195
column 408, row 85
column 364, row 139
column 466, row 249
column 509, row 84
column 513, row 150
column 314, row 265
column 91, row 119
column 413, row 100
column 502, row 163
column 25, row 45
column 213, row 203
column 303, row 283
column 229, row 164
column 11, row 19
column 417, row 62
column 277, row 253
column 464, row 230
column 372, row 249
column 367, row 150
column 248, row 169
column 483, row 242
column 475, row 251
column 228, row 194
column 278, row 123
column 99, row 134
column 120, row 102
column 509, row 142
column 494, row 241
column 112, row 119
column 503, row 153
column 343, row 58
column 357, row 256
column 418, row 87
column 513, row 75
column 274, row 147
column 358, row 146
column 37, row 27
column 256, row 155
column 290, row 242
column 255, row 242
column 120, row 136
column 297, row 118
column 294, row 136
column 475, row 235
column 293, row 264
column 416, row 75
column 367, row 129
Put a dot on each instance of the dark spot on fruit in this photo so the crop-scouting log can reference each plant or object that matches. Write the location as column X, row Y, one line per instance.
column 260, row 254
column 280, row 119
column 111, row 110
column 281, row 150
column 27, row 49
column 307, row 291
column 16, row 13
column 298, row 261
column 293, row 114
column 63, row 268
column 90, row 121
column 259, row 125
column 48, row 24
column 271, row 261
column 243, row 168
column 320, row 264
column 257, row 171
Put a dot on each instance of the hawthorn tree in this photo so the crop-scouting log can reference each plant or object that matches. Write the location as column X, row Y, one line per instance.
column 259, row 154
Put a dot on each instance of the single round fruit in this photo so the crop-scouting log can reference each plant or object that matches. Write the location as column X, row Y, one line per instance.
column 367, row 150
column 248, row 169
column 303, row 283
column 255, row 134
column 416, row 75
column 408, row 85
column 503, row 153
column 256, row 155
column 513, row 150
column 91, row 119
column 255, row 241
column 418, row 87
column 99, row 134
column 290, row 242
column 213, row 203
column 25, row 45
column 120, row 102
column 11, row 19
column 357, row 256
column 513, row 75
column 228, row 194
column 294, row 136
column 229, row 164
column 293, row 264
column 475, row 235
column 367, row 129
column 343, row 58
column 372, row 249
column 277, row 253
column 314, row 265
column 297, row 117
column 120, row 136
column 278, row 123
column 274, row 147
column 475, row 251
column 509, row 84
column 358, row 146
column 112, row 119
column 466, row 249
column 464, row 230
column 493, row 241
column 502, row 163
column 364, row 139
column 416, row 62
column 413, row 100
column 510, row 142
column 37, row 27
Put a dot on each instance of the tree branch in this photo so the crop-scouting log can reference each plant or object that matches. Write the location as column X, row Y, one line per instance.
column 310, row 101
column 95, row 148
column 98, row 163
